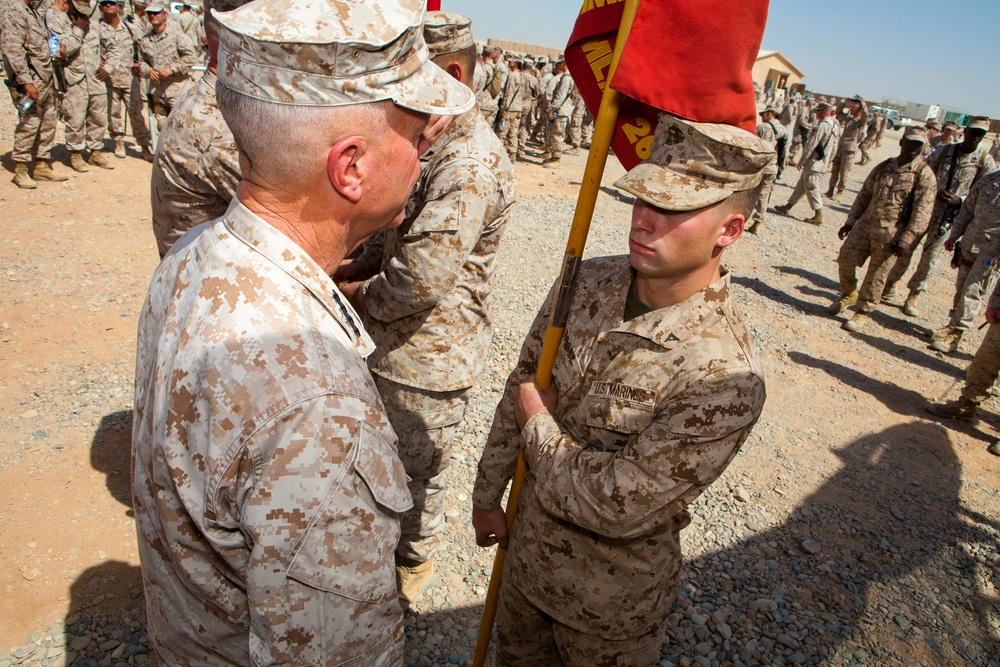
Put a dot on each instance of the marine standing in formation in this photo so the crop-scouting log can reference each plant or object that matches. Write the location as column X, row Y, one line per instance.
column 814, row 163
column 656, row 387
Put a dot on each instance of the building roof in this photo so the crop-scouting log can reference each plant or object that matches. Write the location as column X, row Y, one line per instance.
column 788, row 63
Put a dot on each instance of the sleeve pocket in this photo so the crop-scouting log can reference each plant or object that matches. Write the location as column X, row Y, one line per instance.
column 349, row 549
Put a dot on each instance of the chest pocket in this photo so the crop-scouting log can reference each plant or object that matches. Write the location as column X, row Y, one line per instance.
column 349, row 549
column 619, row 408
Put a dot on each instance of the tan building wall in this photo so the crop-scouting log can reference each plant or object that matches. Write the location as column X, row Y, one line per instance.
column 775, row 70
column 521, row 48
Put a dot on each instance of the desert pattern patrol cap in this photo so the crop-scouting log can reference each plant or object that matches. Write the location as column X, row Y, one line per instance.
column 447, row 32
column 692, row 165
column 334, row 53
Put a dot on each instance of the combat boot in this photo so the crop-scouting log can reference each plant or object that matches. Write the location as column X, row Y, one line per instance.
column 412, row 578
column 100, row 159
column 950, row 343
column 910, row 306
column 783, row 209
column 147, row 154
column 120, row 149
column 943, row 332
column 44, row 172
column 888, row 293
column 994, row 449
column 754, row 228
column 856, row 323
column 22, row 178
column 816, row 219
column 573, row 150
column 77, row 162
column 963, row 410
column 829, row 193
column 841, row 304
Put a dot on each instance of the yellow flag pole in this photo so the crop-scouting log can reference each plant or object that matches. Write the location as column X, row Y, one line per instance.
column 597, row 158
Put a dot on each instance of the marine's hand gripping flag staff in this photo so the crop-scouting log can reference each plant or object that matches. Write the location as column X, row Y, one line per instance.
column 691, row 58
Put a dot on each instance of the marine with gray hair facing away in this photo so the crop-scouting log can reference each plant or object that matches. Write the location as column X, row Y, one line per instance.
column 266, row 481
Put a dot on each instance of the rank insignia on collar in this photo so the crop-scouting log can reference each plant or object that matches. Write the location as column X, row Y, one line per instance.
column 671, row 338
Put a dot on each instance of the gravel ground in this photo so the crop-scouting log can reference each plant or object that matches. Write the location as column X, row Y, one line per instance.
column 849, row 531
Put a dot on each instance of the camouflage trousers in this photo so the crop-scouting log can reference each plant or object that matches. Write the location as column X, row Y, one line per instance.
column 576, row 126
column 528, row 119
column 864, row 243
column 426, row 423
column 843, row 162
column 541, row 129
column 974, row 283
column 798, row 139
column 985, row 367
column 930, row 257
column 527, row 637
column 509, row 135
column 36, row 129
column 490, row 115
column 128, row 100
column 556, row 135
column 810, row 184
column 86, row 117
column 766, row 186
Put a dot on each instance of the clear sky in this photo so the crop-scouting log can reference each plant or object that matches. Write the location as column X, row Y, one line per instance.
column 915, row 50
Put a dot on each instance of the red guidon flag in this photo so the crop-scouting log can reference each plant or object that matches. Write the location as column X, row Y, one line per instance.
column 693, row 58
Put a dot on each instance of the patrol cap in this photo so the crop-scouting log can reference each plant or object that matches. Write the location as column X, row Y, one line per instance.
column 692, row 165
column 950, row 126
column 334, row 53
column 932, row 125
column 823, row 106
column 447, row 32
column 766, row 110
column 154, row 6
column 979, row 123
column 914, row 133
column 857, row 98
column 82, row 7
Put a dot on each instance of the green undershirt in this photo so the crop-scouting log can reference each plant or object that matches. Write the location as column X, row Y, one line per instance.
column 633, row 306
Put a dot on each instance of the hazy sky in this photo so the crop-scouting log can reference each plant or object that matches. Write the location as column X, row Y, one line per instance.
column 916, row 50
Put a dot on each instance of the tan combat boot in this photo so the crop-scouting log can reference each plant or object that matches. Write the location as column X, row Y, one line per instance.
column 754, row 228
column 147, row 154
column 949, row 344
column 994, row 449
column 101, row 159
column 120, row 149
column 22, row 178
column 816, row 219
column 856, row 323
column 910, row 307
column 783, row 209
column 44, row 172
column 943, row 332
column 963, row 410
column 77, row 162
column 841, row 304
column 411, row 578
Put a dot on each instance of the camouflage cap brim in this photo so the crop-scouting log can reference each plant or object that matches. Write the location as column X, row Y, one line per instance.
column 693, row 165
column 324, row 53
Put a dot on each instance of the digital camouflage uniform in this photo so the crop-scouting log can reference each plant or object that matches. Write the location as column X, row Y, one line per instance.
column 24, row 41
column 769, row 132
column 968, row 168
column 170, row 48
column 871, row 132
column 196, row 167
column 852, row 134
column 118, row 51
column 650, row 412
column 85, row 103
column 530, row 113
column 576, row 119
column 985, row 367
column 428, row 309
column 511, row 106
column 810, row 183
column 560, row 107
column 976, row 233
column 266, row 483
column 876, row 218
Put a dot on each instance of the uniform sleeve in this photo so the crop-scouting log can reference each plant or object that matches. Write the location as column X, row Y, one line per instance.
column 186, row 55
column 865, row 195
column 13, row 44
column 628, row 493
column 966, row 213
column 317, row 492
column 812, row 141
column 145, row 58
column 436, row 246
column 496, row 465
column 924, row 194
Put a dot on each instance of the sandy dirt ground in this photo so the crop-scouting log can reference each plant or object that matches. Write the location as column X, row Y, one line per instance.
column 75, row 260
